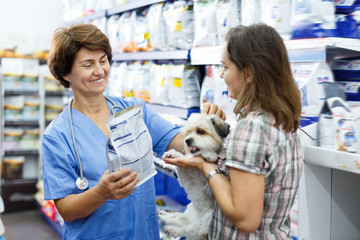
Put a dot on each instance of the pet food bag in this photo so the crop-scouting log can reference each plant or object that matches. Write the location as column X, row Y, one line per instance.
column 336, row 127
column 309, row 77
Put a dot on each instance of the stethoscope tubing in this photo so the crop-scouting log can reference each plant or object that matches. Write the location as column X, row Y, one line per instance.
column 82, row 183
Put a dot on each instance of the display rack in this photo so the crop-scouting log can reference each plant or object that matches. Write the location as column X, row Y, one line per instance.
column 152, row 55
column 328, row 199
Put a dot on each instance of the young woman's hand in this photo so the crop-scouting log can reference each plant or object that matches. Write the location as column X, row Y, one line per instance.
column 192, row 162
column 209, row 108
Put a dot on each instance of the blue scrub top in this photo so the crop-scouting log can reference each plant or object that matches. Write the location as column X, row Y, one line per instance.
column 133, row 217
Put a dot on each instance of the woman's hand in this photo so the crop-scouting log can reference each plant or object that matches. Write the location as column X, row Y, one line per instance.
column 209, row 108
column 118, row 184
column 193, row 162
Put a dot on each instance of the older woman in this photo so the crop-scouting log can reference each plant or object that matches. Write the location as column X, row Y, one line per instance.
column 110, row 207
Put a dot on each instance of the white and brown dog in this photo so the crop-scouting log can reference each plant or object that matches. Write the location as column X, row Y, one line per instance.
column 204, row 136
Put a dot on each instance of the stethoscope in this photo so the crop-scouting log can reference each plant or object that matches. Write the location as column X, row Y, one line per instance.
column 81, row 182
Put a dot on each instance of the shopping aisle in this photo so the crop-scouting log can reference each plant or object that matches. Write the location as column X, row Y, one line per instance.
column 29, row 225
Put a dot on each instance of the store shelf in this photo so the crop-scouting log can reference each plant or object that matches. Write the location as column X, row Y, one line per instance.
column 21, row 152
column 116, row 10
column 152, row 55
column 345, row 161
column 131, row 5
column 302, row 50
column 170, row 110
column 20, row 123
column 87, row 19
column 16, row 182
column 21, row 92
column 54, row 93
column 206, row 55
column 321, row 49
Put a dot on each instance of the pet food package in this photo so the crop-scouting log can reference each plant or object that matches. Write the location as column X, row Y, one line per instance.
column 250, row 12
column 127, row 36
column 113, row 33
column 31, row 109
column 13, row 107
column 184, row 86
column 179, row 23
column 208, row 86
column 309, row 76
column 313, row 19
column 142, row 35
column 129, row 76
column 346, row 6
column 160, row 80
column 130, row 143
column 277, row 14
column 348, row 24
column 157, row 27
column 115, row 81
column 205, row 23
column 142, row 81
column 20, row 74
column 352, row 90
column 346, row 69
column 336, row 127
column 221, row 97
column 227, row 17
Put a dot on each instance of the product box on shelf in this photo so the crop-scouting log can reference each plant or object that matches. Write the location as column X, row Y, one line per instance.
column 19, row 196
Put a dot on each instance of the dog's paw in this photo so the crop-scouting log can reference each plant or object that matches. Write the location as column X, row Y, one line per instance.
column 173, row 231
column 210, row 156
column 172, row 153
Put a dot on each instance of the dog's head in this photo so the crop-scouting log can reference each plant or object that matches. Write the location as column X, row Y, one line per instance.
column 204, row 133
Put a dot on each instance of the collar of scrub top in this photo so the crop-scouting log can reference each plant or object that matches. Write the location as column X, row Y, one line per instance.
column 81, row 182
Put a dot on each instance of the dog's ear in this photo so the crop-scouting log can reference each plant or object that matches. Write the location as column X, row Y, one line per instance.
column 221, row 127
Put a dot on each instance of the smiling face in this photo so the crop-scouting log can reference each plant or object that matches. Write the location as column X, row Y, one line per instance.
column 89, row 73
column 234, row 78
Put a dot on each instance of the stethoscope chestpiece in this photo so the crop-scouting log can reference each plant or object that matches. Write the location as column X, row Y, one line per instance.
column 82, row 183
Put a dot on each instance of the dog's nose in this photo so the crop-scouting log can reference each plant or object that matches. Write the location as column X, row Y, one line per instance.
column 188, row 141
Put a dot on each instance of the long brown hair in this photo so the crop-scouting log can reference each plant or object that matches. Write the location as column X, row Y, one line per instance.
column 67, row 42
column 261, row 50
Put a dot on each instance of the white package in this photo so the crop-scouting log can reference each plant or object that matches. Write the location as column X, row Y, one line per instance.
column 160, row 79
column 309, row 77
column 277, row 13
column 205, row 23
column 221, row 97
column 130, row 144
column 157, row 28
column 226, row 17
column 184, row 87
column 250, row 12
column 179, row 22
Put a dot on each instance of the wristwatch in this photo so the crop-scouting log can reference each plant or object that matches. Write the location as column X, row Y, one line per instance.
column 212, row 173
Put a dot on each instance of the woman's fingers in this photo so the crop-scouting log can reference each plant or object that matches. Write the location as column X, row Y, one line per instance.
column 209, row 108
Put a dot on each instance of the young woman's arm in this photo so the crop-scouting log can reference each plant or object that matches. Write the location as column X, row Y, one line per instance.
column 241, row 199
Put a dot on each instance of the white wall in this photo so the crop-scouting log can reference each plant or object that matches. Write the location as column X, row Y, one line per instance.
column 29, row 24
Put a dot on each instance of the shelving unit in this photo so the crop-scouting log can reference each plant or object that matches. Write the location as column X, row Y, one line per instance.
column 17, row 191
column 328, row 199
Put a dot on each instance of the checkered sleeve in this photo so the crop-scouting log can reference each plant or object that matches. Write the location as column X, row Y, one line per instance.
column 246, row 146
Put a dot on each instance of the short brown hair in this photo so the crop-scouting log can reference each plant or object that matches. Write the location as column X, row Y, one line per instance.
column 261, row 50
column 67, row 42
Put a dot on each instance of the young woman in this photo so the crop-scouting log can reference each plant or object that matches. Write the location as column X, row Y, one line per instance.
column 263, row 154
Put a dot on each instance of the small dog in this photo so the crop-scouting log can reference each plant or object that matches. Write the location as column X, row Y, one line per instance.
column 204, row 136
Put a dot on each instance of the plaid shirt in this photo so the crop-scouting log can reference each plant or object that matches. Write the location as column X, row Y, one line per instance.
column 256, row 146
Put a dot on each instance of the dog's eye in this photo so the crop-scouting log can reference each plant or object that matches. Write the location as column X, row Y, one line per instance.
column 200, row 131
